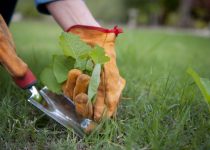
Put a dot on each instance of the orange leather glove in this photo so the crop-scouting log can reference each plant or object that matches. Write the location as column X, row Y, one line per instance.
column 8, row 57
column 111, row 85
column 19, row 70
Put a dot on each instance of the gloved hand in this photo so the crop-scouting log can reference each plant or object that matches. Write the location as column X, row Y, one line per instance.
column 19, row 70
column 8, row 57
column 111, row 85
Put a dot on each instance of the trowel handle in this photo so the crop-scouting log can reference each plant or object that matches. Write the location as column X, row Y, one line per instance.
column 27, row 81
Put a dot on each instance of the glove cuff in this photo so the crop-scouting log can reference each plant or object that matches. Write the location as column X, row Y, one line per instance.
column 116, row 30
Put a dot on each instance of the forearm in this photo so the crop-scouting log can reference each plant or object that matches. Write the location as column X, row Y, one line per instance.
column 71, row 12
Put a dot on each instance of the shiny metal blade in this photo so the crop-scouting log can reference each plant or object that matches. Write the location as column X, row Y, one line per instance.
column 60, row 108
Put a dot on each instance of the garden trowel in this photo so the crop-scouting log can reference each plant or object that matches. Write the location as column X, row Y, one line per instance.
column 58, row 107
column 61, row 109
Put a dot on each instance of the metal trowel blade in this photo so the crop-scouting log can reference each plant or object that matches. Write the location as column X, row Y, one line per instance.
column 61, row 109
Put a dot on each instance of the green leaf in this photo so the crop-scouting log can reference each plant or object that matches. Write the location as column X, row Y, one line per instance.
column 89, row 65
column 77, row 54
column 73, row 46
column 94, row 82
column 48, row 79
column 206, row 84
column 80, row 64
column 61, row 67
column 98, row 55
column 202, row 83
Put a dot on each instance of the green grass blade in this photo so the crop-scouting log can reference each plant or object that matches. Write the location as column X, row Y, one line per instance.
column 202, row 83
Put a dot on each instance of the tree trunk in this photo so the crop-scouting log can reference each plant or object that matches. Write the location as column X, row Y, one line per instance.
column 184, row 12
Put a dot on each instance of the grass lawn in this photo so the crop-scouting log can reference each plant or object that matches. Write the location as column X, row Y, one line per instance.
column 161, row 107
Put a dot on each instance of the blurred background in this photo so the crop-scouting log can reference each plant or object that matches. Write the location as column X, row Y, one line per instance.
column 134, row 13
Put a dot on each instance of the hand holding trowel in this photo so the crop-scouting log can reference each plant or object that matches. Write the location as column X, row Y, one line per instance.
column 58, row 107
